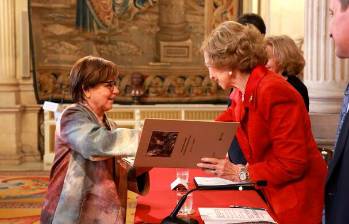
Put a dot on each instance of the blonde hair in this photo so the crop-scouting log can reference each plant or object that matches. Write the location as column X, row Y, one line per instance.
column 288, row 56
column 235, row 46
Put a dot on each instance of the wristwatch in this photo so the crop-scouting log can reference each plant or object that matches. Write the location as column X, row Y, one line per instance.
column 243, row 173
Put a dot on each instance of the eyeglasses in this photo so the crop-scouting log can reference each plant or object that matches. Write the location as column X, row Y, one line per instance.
column 111, row 84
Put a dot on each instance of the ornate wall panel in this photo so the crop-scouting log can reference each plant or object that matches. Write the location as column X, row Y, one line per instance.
column 129, row 33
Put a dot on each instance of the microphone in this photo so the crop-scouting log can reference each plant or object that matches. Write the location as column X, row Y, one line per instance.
column 235, row 186
column 173, row 219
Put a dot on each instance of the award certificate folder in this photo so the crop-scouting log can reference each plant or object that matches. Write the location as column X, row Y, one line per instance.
column 182, row 143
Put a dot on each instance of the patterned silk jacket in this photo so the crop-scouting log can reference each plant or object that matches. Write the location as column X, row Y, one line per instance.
column 84, row 179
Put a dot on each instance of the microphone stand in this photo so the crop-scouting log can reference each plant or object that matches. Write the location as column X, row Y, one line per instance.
column 173, row 219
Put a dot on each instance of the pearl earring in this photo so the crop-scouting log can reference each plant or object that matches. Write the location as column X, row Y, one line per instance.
column 230, row 73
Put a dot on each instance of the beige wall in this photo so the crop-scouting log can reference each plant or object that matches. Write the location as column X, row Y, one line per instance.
column 283, row 17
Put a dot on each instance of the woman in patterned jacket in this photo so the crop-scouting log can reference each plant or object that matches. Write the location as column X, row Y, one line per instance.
column 84, row 179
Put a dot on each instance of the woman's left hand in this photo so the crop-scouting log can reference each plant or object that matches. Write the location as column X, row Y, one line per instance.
column 220, row 167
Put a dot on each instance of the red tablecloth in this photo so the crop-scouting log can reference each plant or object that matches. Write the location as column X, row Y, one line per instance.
column 160, row 201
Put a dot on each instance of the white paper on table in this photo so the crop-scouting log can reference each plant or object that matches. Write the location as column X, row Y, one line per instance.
column 234, row 215
column 215, row 181
column 179, row 183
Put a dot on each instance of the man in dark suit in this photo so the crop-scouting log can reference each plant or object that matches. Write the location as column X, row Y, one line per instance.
column 337, row 185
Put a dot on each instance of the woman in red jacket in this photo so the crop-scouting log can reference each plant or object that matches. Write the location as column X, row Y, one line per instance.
column 275, row 133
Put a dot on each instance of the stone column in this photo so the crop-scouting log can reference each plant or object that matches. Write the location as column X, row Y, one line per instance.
column 7, row 41
column 173, row 40
column 10, row 110
column 172, row 21
column 325, row 75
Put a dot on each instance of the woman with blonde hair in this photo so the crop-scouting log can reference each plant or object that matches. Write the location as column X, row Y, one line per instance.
column 286, row 59
column 274, row 134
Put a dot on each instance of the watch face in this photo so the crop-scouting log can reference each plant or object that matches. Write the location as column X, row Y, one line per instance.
column 243, row 175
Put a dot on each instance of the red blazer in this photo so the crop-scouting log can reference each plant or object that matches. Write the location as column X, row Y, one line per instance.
column 276, row 139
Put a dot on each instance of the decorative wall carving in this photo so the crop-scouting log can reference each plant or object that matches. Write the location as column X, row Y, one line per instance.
column 127, row 33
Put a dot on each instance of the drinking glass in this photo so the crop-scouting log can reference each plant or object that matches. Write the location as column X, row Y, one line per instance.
column 187, row 207
column 183, row 175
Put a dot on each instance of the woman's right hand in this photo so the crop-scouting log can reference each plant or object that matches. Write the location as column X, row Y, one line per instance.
column 220, row 167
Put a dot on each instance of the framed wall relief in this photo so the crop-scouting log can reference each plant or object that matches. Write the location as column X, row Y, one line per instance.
column 155, row 44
